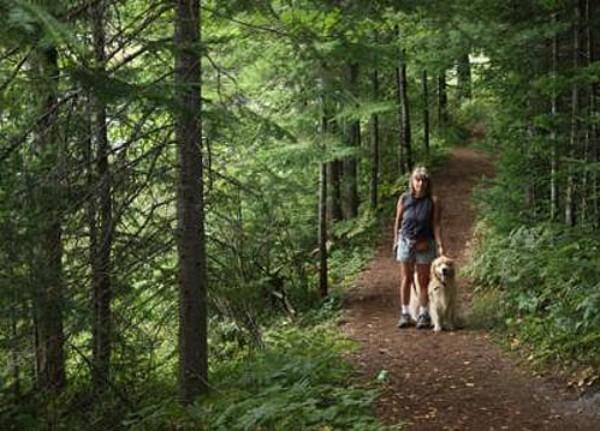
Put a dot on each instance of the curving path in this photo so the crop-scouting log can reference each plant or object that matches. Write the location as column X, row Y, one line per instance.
column 449, row 381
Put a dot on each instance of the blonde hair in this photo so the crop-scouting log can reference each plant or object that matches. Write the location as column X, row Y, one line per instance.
column 421, row 172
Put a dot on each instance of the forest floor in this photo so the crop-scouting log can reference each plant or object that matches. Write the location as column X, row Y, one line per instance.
column 452, row 380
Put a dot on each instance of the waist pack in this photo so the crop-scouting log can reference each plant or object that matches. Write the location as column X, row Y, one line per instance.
column 419, row 245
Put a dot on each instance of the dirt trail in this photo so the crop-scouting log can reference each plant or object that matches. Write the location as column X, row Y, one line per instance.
column 453, row 380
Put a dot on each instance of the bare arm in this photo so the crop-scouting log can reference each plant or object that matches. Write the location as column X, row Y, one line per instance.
column 399, row 213
column 437, row 224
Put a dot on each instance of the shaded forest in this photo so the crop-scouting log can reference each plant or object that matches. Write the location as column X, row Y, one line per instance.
column 188, row 187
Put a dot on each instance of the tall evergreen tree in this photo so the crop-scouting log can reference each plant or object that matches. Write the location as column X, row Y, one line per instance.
column 350, row 165
column 405, row 147
column 193, row 345
column 48, row 269
column 101, row 242
column 374, row 144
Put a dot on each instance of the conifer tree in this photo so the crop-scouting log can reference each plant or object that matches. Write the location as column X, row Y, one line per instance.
column 193, row 347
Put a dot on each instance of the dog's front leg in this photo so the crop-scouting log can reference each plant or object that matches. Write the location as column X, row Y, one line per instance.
column 436, row 319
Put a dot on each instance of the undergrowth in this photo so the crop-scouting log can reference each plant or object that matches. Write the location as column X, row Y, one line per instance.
column 540, row 287
column 295, row 378
column 298, row 379
column 296, row 382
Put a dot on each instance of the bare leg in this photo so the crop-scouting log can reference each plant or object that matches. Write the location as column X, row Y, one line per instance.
column 423, row 271
column 406, row 276
column 423, row 319
column 406, row 271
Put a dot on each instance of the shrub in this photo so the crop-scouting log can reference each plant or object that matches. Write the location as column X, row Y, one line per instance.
column 296, row 382
column 548, row 278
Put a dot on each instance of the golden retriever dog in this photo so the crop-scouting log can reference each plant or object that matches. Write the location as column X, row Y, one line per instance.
column 442, row 294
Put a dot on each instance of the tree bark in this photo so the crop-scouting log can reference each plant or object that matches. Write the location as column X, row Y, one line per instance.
column 589, row 214
column 426, row 115
column 570, row 199
column 593, row 14
column 101, row 255
column 406, row 162
column 334, row 200
column 464, row 77
column 334, row 175
column 323, row 283
column 322, row 222
column 374, row 145
column 554, row 192
column 13, row 357
column 350, row 179
column 443, row 118
column 50, row 358
column 193, row 345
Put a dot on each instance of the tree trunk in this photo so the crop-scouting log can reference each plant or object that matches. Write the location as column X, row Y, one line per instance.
column 350, row 183
column 334, row 175
column 464, row 77
column 100, row 256
column 323, row 284
column 193, row 345
column 374, row 145
column 554, row 193
column 589, row 193
column 593, row 13
column 322, row 223
column 334, row 200
column 406, row 162
column 404, row 133
column 443, row 118
column 570, row 199
column 426, row 116
column 50, row 359
column 585, row 124
column 13, row 356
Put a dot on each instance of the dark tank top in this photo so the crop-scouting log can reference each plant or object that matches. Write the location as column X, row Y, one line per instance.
column 417, row 220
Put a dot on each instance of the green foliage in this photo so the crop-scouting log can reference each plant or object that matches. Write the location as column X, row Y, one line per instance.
column 271, row 72
column 296, row 382
column 546, row 280
column 353, row 242
column 537, row 279
column 475, row 116
column 487, row 310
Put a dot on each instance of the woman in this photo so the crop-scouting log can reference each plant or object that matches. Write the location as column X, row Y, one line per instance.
column 417, row 241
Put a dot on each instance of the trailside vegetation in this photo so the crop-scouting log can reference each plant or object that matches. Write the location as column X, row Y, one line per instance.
column 539, row 237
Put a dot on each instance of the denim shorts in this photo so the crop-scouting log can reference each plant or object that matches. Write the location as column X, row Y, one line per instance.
column 405, row 254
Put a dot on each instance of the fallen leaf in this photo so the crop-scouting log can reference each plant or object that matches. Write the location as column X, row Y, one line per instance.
column 382, row 376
